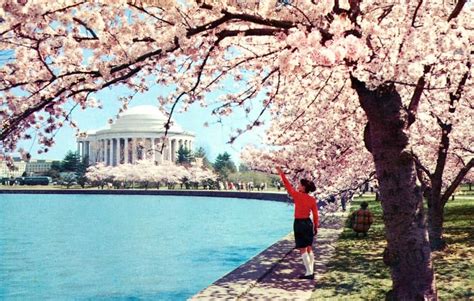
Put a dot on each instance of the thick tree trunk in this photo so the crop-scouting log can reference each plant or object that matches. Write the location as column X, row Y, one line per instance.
column 437, row 200
column 435, row 221
column 408, row 251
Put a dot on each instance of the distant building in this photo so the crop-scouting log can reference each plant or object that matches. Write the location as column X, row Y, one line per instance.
column 18, row 169
column 137, row 134
column 38, row 166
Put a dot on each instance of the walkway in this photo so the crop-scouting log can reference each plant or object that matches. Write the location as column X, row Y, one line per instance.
column 273, row 274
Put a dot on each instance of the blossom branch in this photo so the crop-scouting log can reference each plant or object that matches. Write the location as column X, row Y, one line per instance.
column 457, row 9
column 415, row 99
column 459, row 177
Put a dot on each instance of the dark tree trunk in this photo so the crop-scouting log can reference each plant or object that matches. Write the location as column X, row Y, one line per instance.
column 437, row 200
column 435, row 221
column 408, row 251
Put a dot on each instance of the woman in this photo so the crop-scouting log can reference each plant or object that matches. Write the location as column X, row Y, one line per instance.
column 303, row 227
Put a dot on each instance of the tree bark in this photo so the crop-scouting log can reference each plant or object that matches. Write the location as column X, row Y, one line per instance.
column 408, row 251
column 435, row 222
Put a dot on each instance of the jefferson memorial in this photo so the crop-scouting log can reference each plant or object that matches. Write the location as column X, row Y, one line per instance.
column 137, row 134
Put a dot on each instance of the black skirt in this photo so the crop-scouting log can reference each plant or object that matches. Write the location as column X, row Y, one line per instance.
column 303, row 229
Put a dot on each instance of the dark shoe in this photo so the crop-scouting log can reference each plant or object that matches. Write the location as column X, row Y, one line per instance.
column 306, row 276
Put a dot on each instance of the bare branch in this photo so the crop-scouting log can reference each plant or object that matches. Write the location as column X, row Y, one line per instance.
column 420, row 165
column 457, row 10
column 460, row 176
column 256, row 122
column 385, row 13
column 416, row 12
column 249, row 32
column 89, row 30
column 456, row 96
column 310, row 104
column 227, row 16
column 63, row 8
column 415, row 99
column 150, row 14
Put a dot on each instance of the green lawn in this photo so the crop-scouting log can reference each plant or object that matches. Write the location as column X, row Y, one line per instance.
column 357, row 272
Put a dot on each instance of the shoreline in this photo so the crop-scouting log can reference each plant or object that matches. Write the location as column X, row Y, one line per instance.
column 267, row 196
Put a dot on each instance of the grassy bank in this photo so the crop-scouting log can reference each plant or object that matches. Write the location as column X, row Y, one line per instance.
column 357, row 272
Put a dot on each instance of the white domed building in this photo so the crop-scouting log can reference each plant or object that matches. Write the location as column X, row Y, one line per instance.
column 137, row 134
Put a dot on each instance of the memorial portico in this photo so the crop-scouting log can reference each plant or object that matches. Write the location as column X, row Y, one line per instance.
column 137, row 134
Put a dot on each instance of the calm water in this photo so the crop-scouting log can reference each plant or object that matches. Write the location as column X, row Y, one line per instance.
column 63, row 247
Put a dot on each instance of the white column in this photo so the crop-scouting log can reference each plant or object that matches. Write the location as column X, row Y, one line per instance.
column 106, row 151
column 111, row 155
column 117, row 151
column 86, row 150
column 140, row 148
column 88, row 146
column 83, row 150
column 134, row 150
column 160, row 154
column 79, row 147
column 153, row 149
column 148, row 143
column 190, row 144
column 168, row 150
column 103, row 151
column 112, row 152
column 93, row 150
column 125, row 151
column 173, row 149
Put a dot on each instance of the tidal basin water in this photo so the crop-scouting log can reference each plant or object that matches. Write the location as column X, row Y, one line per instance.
column 122, row 247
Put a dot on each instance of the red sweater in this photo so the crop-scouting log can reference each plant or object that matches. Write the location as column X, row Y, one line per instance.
column 304, row 203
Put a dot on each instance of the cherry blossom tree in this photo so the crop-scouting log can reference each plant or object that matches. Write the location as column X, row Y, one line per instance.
column 443, row 154
column 99, row 174
column 382, row 61
column 147, row 172
column 201, row 175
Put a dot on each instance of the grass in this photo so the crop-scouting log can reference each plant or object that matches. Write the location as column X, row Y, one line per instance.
column 356, row 272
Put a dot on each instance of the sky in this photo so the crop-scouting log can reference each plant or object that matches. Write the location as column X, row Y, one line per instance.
column 213, row 138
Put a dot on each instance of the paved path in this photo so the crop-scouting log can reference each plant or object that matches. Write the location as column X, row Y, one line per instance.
column 273, row 274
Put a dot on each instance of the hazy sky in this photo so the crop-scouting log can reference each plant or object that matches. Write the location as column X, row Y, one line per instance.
column 212, row 138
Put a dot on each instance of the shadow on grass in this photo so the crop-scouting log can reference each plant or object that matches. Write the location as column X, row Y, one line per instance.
column 357, row 272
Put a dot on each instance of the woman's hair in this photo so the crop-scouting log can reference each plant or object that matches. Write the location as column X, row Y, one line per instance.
column 308, row 185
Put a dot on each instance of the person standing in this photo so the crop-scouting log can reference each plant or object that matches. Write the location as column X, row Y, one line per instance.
column 344, row 200
column 304, row 228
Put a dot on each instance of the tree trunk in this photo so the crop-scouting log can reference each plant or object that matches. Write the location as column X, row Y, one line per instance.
column 435, row 221
column 408, row 251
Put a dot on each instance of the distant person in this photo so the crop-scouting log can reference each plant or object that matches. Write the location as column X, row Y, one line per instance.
column 362, row 219
column 344, row 197
column 331, row 199
column 304, row 229
column 321, row 204
column 278, row 186
column 262, row 186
